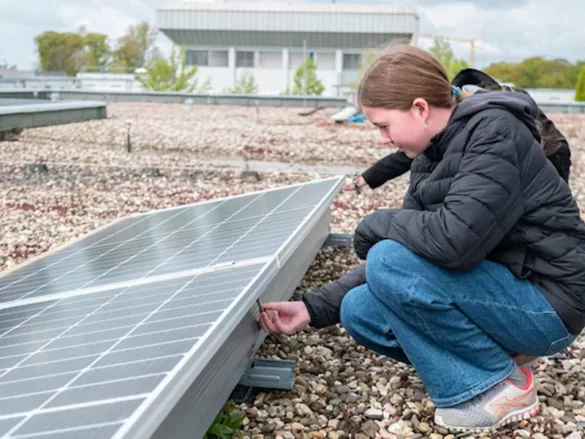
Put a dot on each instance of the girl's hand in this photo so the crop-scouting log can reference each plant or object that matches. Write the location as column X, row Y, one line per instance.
column 287, row 317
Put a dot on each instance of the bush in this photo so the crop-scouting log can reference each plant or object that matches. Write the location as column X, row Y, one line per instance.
column 580, row 89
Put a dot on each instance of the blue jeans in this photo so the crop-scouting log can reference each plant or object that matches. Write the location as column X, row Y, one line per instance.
column 456, row 328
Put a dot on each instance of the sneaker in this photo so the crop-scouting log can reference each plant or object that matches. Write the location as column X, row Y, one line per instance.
column 504, row 403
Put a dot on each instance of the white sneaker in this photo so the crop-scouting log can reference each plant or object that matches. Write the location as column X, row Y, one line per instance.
column 504, row 403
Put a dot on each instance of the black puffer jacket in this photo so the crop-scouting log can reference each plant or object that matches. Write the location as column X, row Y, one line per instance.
column 483, row 190
column 555, row 145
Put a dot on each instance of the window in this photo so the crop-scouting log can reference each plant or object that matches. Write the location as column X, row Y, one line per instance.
column 218, row 58
column 326, row 60
column 295, row 60
column 244, row 59
column 351, row 61
column 198, row 57
column 270, row 60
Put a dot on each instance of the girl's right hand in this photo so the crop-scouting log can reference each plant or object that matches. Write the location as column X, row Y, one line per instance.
column 287, row 317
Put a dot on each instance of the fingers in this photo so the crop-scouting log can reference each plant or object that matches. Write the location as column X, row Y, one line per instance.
column 267, row 324
column 348, row 186
column 276, row 306
column 282, row 328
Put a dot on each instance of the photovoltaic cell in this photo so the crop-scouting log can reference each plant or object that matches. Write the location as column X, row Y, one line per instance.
column 81, row 363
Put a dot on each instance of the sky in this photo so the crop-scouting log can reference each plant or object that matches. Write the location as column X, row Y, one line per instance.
column 505, row 30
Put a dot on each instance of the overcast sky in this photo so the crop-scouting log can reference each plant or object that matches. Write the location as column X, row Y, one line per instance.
column 506, row 30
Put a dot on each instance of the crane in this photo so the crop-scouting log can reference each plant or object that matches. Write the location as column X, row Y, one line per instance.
column 471, row 42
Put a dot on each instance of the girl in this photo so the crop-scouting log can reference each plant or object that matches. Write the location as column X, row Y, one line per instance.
column 553, row 143
column 486, row 258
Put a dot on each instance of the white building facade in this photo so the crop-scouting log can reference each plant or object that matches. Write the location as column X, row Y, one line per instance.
column 270, row 41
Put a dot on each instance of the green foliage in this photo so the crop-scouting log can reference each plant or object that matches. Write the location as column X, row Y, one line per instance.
column 133, row 48
column 580, row 88
column 70, row 52
column 226, row 423
column 306, row 82
column 537, row 72
column 246, row 85
column 441, row 49
column 171, row 75
column 97, row 50
column 60, row 51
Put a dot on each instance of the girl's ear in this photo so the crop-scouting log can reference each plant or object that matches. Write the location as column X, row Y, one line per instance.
column 420, row 108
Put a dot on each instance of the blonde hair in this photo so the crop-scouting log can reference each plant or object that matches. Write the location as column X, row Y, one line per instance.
column 402, row 74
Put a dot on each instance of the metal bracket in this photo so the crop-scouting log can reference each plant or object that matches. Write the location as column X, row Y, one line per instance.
column 339, row 240
column 269, row 374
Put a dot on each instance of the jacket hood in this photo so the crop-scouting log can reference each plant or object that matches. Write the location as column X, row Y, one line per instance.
column 519, row 104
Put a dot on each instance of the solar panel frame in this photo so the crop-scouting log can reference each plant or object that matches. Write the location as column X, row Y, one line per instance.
column 285, row 266
column 305, row 242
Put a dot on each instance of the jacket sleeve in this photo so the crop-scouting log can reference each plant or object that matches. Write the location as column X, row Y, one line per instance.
column 483, row 203
column 324, row 304
column 387, row 168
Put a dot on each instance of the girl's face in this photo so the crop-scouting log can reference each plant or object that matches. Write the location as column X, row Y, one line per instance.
column 405, row 129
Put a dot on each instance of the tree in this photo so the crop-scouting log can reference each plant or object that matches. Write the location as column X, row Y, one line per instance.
column 97, row 50
column 133, row 48
column 70, row 52
column 580, row 89
column 246, row 85
column 172, row 75
column 441, row 49
column 537, row 72
column 306, row 82
column 60, row 51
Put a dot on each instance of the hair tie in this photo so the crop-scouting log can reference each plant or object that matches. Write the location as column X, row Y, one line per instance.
column 456, row 91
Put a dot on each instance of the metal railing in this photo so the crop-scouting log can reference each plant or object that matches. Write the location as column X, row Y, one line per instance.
column 181, row 98
column 226, row 99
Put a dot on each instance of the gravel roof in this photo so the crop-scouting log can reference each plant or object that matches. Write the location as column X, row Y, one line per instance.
column 58, row 183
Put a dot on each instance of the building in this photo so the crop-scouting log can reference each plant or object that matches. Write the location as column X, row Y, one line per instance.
column 33, row 80
column 271, row 40
column 124, row 82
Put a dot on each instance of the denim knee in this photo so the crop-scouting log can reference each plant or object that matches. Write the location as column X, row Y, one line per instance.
column 389, row 250
column 388, row 262
column 354, row 315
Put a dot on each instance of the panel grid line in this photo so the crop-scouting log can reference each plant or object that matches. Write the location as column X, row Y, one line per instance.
column 68, row 256
column 74, row 406
column 127, row 284
column 109, row 339
column 235, row 221
column 117, row 327
column 83, row 386
column 162, row 357
column 22, row 323
column 29, row 416
column 107, row 252
column 161, row 240
column 154, row 394
column 87, row 368
column 104, row 348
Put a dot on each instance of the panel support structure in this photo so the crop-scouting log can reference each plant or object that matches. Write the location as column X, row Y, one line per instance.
column 269, row 374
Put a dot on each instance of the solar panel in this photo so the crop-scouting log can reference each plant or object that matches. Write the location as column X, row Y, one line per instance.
column 102, row 337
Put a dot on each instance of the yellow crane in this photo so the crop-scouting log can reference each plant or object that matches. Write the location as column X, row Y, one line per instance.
column 471, row 42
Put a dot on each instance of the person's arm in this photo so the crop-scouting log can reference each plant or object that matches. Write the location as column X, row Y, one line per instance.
column 555, row 145
column 483, row 203
column 553, row 142
column 387, row 168
column 324, row 304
